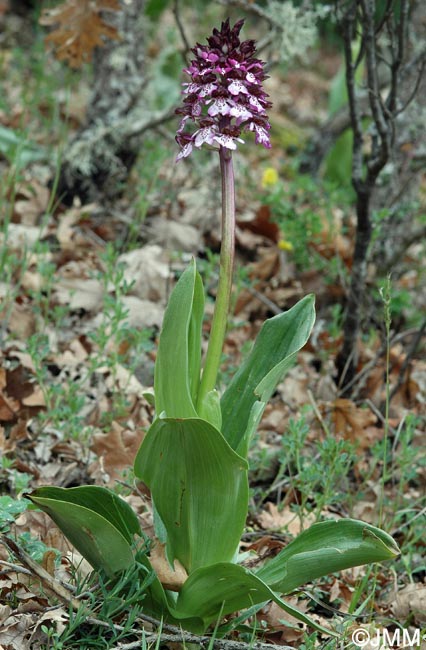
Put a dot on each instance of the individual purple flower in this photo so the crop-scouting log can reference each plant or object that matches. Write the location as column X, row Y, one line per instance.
column 225, row 95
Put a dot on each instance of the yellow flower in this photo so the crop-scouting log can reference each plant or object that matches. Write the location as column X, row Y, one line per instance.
column 285, row 245
column 270, row 177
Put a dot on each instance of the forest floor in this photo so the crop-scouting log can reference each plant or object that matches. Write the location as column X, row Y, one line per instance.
column 83, row 290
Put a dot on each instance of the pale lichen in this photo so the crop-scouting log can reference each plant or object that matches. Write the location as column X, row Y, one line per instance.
column 296, row 27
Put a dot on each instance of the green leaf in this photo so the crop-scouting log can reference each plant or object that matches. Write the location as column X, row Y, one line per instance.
column 324, row 548
column 9, row 509
column 95, row 520
column 154, row 8
column 272, row 355
column 194, row 337
column 223, row 588
column 338, row 161
column 18, row 150
column 199, row 487
column 209, row 409
column 177, row 368
column 338, row 97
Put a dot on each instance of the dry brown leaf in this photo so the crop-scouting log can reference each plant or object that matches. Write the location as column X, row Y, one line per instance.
column 22, row 321
column 117, row 448
column 272, row 518
column 58, row 616
column 21, row 237
column 31, row 202
column 66, row 231
column 80, row 293
column 147, row 271
column 176, row 236
column 4, row 7
column 142, row 313
column 16, row 631
column 293, row 391
column 79, row 28
column 9, row 406
column 340, row 591
column 170, row 578
column 411, row 602
column 48, row 561
column 277, row 619
column 17, row 434
column 35, row 399
column 366, row 511
column 262, row 224
column 354, row 423
column 17, row 385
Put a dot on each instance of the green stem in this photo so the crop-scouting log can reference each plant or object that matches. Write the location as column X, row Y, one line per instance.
column 226, row 264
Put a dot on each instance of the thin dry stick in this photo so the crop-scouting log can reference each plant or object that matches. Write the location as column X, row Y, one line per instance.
column 201, row 641
column 380, row 416
column 48, row 581
column 318, row 414
column 179, row 23
column 15, row 568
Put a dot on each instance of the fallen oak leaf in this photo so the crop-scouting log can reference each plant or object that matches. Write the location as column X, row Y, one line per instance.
column 353, row 422
column 117, row 449
column 79, row 28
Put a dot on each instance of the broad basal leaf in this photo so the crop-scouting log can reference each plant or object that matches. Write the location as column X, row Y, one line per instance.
column 220, row 589
column 177, row 368
column 324, row 548
column 273, row 353
column 199, row 487
column 96, row 521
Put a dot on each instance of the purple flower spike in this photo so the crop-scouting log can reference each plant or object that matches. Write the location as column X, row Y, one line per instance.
column 225, row 95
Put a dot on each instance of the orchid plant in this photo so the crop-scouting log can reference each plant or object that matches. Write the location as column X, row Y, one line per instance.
column 194, row 457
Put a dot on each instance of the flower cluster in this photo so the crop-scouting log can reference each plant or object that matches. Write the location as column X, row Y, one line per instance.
column 225, row 95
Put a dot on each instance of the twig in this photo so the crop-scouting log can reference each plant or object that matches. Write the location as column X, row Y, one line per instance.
column 410, row 521
column 379, row 415
column 35, row 569
column 420, row 61
column 138, row 127
column 318, row 414
column 251, row 7
column 348, row 24
column 201, row 641
column 176, row 13
column 272, row 306
column 15, row 568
